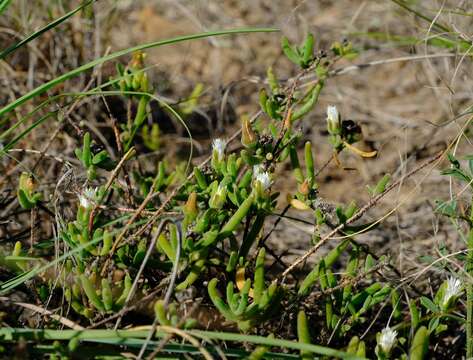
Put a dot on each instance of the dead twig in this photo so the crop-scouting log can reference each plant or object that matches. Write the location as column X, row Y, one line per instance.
column 359, row 213
column 45, row 312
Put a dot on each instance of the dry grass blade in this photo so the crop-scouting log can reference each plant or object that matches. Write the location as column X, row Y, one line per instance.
column 38, row 309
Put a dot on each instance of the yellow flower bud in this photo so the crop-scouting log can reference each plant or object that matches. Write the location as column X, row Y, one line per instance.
column 190, row 208
column 248, row 136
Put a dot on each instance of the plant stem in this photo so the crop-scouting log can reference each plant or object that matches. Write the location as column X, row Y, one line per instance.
column 469, row 294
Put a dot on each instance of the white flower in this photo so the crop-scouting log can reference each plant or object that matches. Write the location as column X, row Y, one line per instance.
column 263, row 178
column 333, row 120
column 257, row 169
column 452, row 290
column 218, row 146
column 88, row 197
column 332, row 112
column 387, row 339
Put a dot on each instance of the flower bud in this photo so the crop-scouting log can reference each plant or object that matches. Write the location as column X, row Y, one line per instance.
column 248, row 136
column 144, row 83
column 27, row 183
column 452, row 290
column 218, row 148
column 387, row 340
column 218, row 198
column 263, row 180
column 333, row 120
column 304, row 188
column 137, row 61
column 218, row 152
column 190, row 208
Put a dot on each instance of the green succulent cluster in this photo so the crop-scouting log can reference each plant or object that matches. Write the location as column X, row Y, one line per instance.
column 346, row 306
column 89, row 294
column 250, row 304
column 84, row 288
column 134, row 84
column 274, row 103
column 217, row 202
column 300, row 55
column 168, row 316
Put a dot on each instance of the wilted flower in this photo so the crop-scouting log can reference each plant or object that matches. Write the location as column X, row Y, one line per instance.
column 333, row 120
column 387, row 339
column 452, row 290
column 304, row 188
column 27, row 183
column 88, row 197
column 218, row 148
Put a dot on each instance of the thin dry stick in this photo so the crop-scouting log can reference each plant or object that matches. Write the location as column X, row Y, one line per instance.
column 123, row 311
column 290, row 90
column 359, row 213
column 165, row 340
column 189, row 338
column 114, row 174
column 347, row 69
column 150, row 249
column 130, row 222
column 43, row 154
column 66, row 322
column 118, row 140
column 131, row 210
column 176, row 331
column 348, row 281
column 350, row 68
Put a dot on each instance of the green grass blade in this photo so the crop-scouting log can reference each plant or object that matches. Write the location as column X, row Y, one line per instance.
column 402, row 40
column 435, row 24
column 3, row 5
column 51, row 99
column 25, row 132
column 93, row 92
column 261, row 340
column 41, row 31
column 118, row 337
column 176, row 348
column 462, row 44
column 50, row 84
